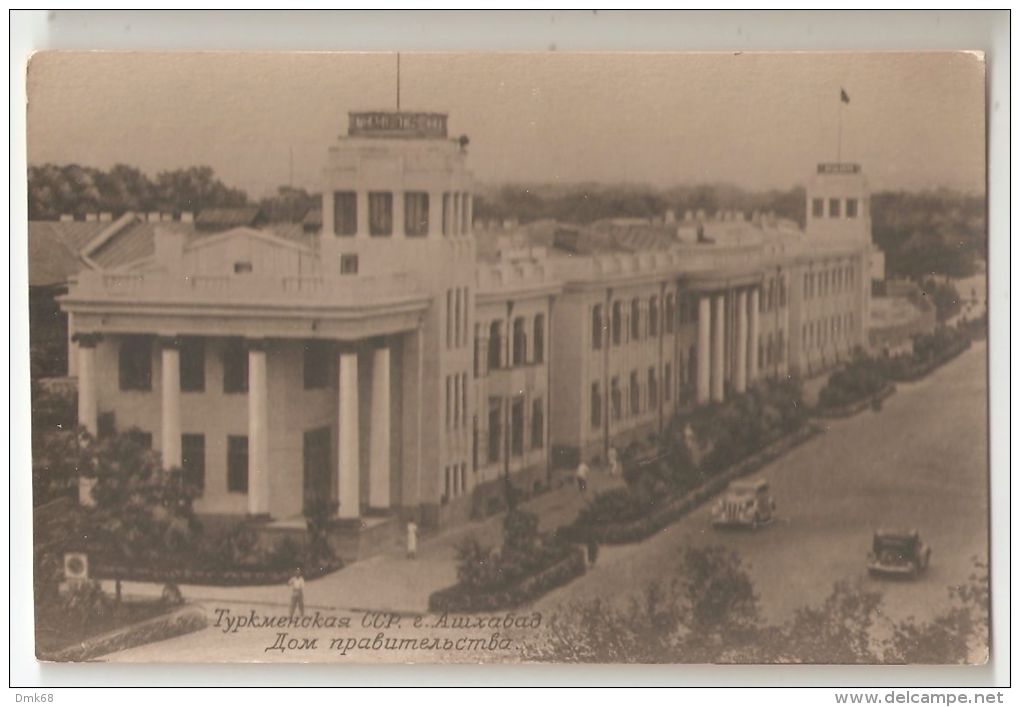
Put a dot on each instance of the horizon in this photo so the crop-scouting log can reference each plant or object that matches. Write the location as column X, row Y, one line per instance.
column 549, row 118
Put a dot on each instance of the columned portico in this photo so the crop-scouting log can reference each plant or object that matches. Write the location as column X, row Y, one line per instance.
column 258, row 430
column 753, row 334
column 704, row 348
column 718, row 346
column 740, row 374
column 348, row 469
column 171, row 402
column 88, row 403
column 379, row 471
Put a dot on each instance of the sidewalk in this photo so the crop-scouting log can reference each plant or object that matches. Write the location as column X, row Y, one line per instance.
column 390, row 581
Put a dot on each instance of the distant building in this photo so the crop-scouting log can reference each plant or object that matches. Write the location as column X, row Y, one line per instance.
column 381, row 359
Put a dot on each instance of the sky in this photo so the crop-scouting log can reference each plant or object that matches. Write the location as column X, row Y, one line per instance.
column 758, row 120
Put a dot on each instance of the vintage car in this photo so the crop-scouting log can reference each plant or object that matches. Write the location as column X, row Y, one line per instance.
column 745, row 503
column 898, row 553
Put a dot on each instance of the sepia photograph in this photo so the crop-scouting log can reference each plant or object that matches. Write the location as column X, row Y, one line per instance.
column 509, row 358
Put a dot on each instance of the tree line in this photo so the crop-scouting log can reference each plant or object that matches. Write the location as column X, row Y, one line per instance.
column 922, row 233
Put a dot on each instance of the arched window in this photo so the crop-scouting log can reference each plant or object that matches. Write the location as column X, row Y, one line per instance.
column 617, row 323
column 669, row 314
column 596, row 327
column 495, row 344
column 635, row 319
column 653, row 316
column 538, row 339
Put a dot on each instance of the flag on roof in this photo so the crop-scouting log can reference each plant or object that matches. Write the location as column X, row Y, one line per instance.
column 843, row 97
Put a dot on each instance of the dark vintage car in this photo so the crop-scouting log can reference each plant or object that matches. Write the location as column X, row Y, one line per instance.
column 898, row 553
column 746, row 504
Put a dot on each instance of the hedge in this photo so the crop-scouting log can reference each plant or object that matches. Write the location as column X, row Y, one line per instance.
column 919, row 371
column 851, row 409
column 677, row 507
column 215, row 578
column 160, row 628
column 460, row 599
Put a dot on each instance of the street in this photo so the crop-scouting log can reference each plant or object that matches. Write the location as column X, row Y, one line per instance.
column 921, row 462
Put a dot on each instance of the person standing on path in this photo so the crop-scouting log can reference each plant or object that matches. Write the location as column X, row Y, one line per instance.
column 614, row 462
column 412, row 540
column 582, row 476
column 297, row 592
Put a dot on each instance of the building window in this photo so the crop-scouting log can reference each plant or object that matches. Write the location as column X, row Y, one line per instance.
column 833, row 208
column 517, row 427
column 818, row 208
column 192, row 365
column 243, row 267
column 596, row 327
column 447, row 198
column 193, row 460
column 380, row 213
column 617, row 323
column 456, row 317
column 782, row 292
column 495, row 428
column 345, row 213
column 635, row 394
column 851, row 208
column 669, row 314
column 235, row 367
column 135, row 363
column 635, row 320
column 616, row 398
column 537, row 424
column 140, row 438
column 538, row 339
column 596, row 405
column 495, row 344
column 237, row 464
column 474, row 443
column 456, row 401
column 449, row 402
column 667, row 382
column 520, row 343
column 446, row 486
column 349, row 264
column 316, row 364
column 416, row 213
column 653, row 389
column 653, row 316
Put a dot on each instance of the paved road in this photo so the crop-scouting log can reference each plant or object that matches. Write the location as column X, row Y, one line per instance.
column 920, row 462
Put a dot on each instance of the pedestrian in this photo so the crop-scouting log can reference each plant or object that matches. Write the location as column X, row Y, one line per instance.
column 614, row 462
column 582, row 477
column 412, row 540
column 593, row 551
column 297, row 592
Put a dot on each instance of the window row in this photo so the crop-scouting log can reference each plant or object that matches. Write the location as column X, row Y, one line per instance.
column 516, row 434
column 457, row 309
column 771, row 350
column 836, row 208
column 135, row 364
column 417, row 212
column 833, row 280
column 636, row 402
column 638, row 320
column 834, row 328
column 456, row 401
column 773, row 295
column 496, row 355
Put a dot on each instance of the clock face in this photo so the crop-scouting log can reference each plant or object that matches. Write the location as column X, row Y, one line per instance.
column 75, row 565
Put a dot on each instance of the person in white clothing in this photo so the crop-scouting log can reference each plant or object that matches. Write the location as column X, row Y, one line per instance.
column 297, row 592
column 412, row 540
column 614, row 462
column 582, row 476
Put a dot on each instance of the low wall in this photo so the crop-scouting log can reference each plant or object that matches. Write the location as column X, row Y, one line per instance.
column 851, row 409
column 177, row 623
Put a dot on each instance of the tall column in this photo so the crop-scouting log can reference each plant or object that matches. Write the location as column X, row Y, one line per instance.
column 740, row 374
column 455, row 213
column 704, row 348
column 361, row 209
column 348, row 470
column 88, row 403
column 72, row 347
column 469, row 214
column 258, row 430
column 718, row 347
column 753, row 333
column 170, row 437
column 435, row 214
column 399, row 225
column 379, row 470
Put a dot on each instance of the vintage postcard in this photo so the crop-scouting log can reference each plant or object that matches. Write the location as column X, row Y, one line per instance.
column 546, row 357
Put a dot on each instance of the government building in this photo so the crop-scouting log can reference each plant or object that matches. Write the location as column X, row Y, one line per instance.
column 399, row 361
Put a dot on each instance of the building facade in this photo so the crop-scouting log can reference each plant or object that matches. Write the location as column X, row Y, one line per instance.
column 382, row 369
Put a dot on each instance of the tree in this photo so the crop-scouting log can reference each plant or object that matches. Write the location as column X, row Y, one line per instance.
column 143, row 514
